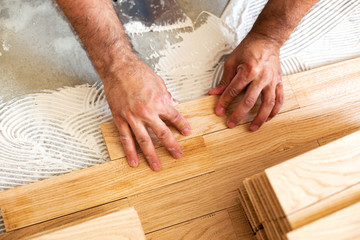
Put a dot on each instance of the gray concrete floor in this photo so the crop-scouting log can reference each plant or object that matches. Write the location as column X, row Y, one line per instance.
column 39, row 51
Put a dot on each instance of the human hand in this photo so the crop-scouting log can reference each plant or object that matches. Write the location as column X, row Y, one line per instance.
column 254, row 65
column 138, row 99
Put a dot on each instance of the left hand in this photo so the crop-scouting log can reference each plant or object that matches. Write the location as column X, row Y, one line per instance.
column 253, row 64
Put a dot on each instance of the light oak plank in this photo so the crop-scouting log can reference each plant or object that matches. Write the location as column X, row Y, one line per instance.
column 318, row 174
column 68, row 220
column 341, row 225
column 328, row 82
column 285, row 131
column 201, row 117
column 97, row 185
column 325, row 207
column 216, row 226
column 122, row 225
column 204, row 194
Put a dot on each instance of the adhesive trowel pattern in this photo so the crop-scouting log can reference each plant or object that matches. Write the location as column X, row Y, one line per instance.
column 50, row 133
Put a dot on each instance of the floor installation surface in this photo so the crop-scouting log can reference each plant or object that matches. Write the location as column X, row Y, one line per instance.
column 195, row 197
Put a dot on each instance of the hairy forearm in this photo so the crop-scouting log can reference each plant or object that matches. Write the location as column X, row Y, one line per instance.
column 280, row 17
column 101, row 32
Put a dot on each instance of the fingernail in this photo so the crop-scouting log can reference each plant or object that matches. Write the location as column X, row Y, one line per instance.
column 155, row 166
column 231, row 124
column 133, row 163
column 186, row 131
column 254, row 127
column 220, row 111
column 177, row 155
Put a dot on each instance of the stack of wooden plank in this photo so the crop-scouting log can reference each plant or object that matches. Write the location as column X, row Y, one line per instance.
column 313, row 196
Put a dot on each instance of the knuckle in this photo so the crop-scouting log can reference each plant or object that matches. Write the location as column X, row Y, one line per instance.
column 249, row 101
column 233, row 92
column 143, row 140
column 270, row 102
column 254, row 70
column 176, row 117
column 163, row 134
column 124, row 139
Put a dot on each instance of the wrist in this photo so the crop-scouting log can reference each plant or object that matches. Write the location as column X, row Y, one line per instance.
column 115, row 63
column 266, row 38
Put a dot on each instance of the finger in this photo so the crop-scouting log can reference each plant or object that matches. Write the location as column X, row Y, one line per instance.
column 245, row 105
column 267, row 105
column 279, row 93
column 178, row 120
column 228, row 75
column 146, row 145
column 232, row 91
column 167, row 138
column 127, row 142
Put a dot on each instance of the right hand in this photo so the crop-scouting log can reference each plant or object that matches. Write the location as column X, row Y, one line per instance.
column 138, row 99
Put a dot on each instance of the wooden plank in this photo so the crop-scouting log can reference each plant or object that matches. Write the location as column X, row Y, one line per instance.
column 249, row 209
column 123, row 224
column 215, row 226
column 97, row 185
column 341, row 225
column 201, row 117
column 328, row 82
column 318, row 174
column 62, row 222
column 325, row 207
column 285, row 131
column 204, row 194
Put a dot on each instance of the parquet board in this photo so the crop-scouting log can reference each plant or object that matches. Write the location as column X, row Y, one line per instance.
column 325, row 207
column 325, row 83
column 97, row 185
column 204, row 194
column 341, row 225
column 122, row 225
column 64, row 221
column 201, row 117
column 317, row 174
column 287, row 130
column 216, row 226
column 306, row 188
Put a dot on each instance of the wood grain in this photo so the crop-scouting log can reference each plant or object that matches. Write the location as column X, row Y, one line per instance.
column 325, row 83
column 216, row 226
column 317, row 174
column 325, row 207
column 200, row 115
column 65, row 221
column 122, row 225
column 305, row 188
column 97, row 185
column 204, row 194
column 341, row 225
column 285, row 131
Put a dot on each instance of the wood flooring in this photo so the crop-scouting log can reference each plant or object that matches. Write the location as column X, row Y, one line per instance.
column 196, row 197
